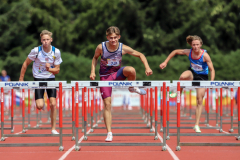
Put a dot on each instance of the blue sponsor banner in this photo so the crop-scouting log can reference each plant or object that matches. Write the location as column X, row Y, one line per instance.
column 222, row 83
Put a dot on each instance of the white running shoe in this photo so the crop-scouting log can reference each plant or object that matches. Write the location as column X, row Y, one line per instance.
column 173, row 95
column 197, row 129
column 109, row 138
column 137, row 90
column 54, row 132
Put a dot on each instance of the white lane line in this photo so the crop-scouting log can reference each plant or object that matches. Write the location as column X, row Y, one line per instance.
column 86, row 152
column 218, row 129
column 80, row 140
column 174, row 156
column 73, row 147
column 21, row 131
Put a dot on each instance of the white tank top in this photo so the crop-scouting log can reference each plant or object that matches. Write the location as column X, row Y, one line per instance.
column 38, row 68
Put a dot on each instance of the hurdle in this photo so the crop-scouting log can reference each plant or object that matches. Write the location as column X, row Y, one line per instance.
column 147, row 115
column 32, row 85
column 98, row 121
column 66, row 87
column 2, row 111
column 205, row 84
column 119, row 84
column 127, row 114
column 191, row 85
column 189, row 118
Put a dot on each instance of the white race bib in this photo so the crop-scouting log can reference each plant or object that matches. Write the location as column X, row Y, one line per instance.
column 112, row 62
column 196, row 67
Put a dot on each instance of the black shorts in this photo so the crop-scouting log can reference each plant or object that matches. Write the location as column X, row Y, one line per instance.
column 40, row 92
column 199, row 77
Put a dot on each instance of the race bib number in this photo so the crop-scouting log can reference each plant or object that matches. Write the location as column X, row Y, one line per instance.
column 196, row 67
column 112, row 62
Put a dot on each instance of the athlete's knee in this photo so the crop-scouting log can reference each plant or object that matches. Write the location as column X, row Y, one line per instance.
column 199, row 100
column 108, row 106
column 53, row 105
column 39, row 104
column 131, row 71
column 182, row 78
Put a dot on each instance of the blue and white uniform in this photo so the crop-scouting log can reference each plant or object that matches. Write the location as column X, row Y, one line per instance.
column 40, row 58
column 40, row 73
column 198, row 67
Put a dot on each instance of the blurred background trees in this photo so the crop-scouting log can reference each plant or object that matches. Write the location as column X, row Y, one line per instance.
column 153, row 27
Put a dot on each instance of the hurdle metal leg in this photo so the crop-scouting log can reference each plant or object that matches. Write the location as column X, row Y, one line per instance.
column 164, row 147
column 61, row 148
column 29, row 125
column 151, row 130
column 2, row 131
column 77, row 148
column 82, row 125
column 73, row 124
column 231, row 129
column 168, row 137
column 161, row 128
column 156, row 126
column 23, row 125
column 91, row 130
column 238, row 137
column 220, row 130
column 85, row 130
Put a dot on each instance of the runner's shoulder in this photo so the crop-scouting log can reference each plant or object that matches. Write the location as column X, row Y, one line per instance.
column 99, row 48
column 57, row 51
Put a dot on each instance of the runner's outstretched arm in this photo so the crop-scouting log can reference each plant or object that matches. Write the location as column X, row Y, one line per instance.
column 172, row 54
column 98, row 52
column 135, row 53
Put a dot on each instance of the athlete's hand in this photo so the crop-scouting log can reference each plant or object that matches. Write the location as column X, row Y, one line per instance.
column 92, row 76
column 148, row 71
column 47, row 66
column 163, row 65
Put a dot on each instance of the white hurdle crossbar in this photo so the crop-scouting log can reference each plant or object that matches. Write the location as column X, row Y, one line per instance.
column 204, row 84
column 33, row 85
column 117, row 84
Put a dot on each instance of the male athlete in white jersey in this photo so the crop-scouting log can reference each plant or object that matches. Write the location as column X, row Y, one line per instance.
column 111, row 53
column 46, row 63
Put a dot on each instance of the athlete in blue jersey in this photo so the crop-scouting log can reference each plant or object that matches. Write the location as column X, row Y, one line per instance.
column 200, row 63
column 4, row 76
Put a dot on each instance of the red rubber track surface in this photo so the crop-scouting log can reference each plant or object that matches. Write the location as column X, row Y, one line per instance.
column 120, row 152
